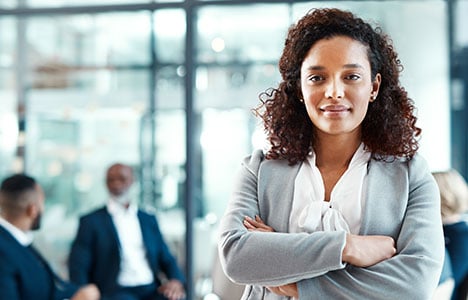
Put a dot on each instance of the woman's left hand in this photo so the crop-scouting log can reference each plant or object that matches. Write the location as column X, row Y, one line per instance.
column 289, row 290
column 257, row 225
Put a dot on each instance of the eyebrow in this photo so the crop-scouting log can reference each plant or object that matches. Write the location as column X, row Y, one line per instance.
column 346, row 66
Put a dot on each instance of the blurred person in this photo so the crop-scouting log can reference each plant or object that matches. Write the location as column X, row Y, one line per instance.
column 354, row 208
column 454, row 204
column 24, row 273
column 120, row 248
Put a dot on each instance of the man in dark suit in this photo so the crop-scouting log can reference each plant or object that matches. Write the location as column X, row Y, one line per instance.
column 24, row 274
column 120, row 248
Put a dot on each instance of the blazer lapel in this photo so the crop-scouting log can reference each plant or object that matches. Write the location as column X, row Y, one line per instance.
column 145, row 234
column 276, row 189
column 386, row 198
column 109, row 227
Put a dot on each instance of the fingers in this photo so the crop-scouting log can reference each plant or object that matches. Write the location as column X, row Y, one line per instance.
column 289, row 290
column 260, row 221
column 256, row 225
column 172, row 290
column 365, row 251
column 172, row 295
column 248, row 224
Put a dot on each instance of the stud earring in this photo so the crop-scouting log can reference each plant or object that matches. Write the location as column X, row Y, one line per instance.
column 301, row 100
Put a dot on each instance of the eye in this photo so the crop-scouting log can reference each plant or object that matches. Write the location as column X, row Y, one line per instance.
column 315, row 78
column 353, row 77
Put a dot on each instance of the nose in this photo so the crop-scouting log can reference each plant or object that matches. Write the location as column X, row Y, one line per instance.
column 334, row 89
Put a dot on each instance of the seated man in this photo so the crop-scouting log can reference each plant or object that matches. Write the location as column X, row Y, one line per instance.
column 24, row 274
column 120, row 248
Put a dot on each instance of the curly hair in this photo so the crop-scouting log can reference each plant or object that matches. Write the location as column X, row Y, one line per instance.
column 389, row 127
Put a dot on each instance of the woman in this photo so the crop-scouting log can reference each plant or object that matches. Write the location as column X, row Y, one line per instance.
column 354, row 208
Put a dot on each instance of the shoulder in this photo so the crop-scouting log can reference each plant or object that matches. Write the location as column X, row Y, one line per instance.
column 416, row 165
column 147, row 218
column 5, row 239
column 10, row 248
column 414, row 171
column 143, row 213
column 254, row 160
column 95, row 214
column 257, row 161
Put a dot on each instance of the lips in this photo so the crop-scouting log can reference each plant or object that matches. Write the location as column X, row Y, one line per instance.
column 334, row 108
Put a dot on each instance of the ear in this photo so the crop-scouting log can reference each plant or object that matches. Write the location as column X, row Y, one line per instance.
column 299, row 90
column 32, row 210
column 376, row 85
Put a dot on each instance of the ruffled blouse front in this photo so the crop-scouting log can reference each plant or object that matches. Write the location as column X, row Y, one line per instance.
column 310, row 212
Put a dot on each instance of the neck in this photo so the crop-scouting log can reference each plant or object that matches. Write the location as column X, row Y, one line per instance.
column 335, row 151
column 119, row 202
column 22, row 224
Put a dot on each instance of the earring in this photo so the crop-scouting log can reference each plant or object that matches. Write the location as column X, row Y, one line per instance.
column 301, row 100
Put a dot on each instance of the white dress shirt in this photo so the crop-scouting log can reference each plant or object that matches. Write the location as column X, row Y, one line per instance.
column 134, row 267
column 24, row 238
column 310, row 212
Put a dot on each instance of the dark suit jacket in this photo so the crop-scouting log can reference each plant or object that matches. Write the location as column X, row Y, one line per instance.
column 24, row 274
column 95, row 252
column 456, row 242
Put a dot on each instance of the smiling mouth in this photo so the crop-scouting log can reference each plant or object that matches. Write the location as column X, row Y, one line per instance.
column 335, row 108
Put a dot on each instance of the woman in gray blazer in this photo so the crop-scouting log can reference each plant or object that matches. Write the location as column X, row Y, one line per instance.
column 354, row 209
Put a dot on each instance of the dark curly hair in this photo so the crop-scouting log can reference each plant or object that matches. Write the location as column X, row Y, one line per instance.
column 388, row 129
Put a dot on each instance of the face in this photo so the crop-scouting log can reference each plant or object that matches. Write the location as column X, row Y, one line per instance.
column 119, row 179
column 336, row 85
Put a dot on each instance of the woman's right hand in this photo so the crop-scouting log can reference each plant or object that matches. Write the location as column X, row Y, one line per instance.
column 367, row 250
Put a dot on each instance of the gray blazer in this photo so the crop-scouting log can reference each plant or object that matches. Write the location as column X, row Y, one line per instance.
column 402, row 202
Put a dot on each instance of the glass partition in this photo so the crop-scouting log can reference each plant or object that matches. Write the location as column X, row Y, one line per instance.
column 6, row 4
column 236, row 61
column 169, row 29
column 459, row 85
column 104, row 40
column 235, row 65
column 88, row 94
column 8, row 94
column 65, row 3
column 96, row 97
column 169, row 127
column 246, row 33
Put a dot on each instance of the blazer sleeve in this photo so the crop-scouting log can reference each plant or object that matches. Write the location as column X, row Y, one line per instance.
column 413, row 273
column 8, row 286
column 270, row 259
column 80, row 258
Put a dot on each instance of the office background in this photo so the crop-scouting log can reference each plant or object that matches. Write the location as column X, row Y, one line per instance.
column 168, row 87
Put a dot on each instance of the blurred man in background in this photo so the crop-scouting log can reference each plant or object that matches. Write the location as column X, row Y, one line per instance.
column 24, row 273
column 120, row 248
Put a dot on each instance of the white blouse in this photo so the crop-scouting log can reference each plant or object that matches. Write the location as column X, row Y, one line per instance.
column 310, row 212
